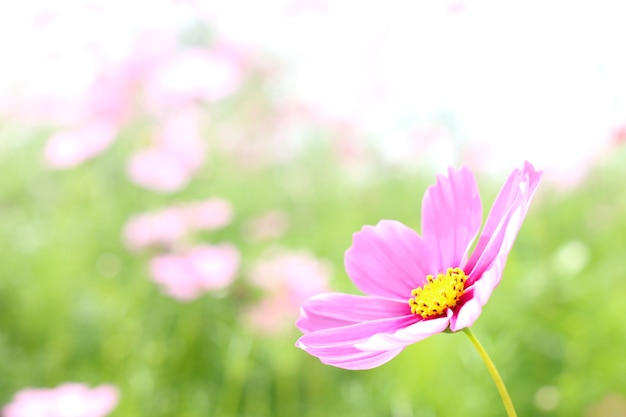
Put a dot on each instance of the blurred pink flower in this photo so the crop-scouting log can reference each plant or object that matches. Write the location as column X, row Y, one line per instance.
column 99, row 112
column 176, row 156
column 210, row 214
column 158, row 170
column 618, row 135
column 159, row 228
column 287, row 279
column 270, row 225
column 165, row 227
column 144, row 80
column 445, row 286
column 66, row 400
column 110, row 96
column 207, row 74
column 69, row 148
column 457, row 7
column 204, row 268
column 180, row 135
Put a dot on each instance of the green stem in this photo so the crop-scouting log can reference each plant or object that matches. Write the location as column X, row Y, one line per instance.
column 506, row 399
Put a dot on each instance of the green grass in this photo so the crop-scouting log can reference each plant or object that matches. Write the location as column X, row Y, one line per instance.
column 556, row 319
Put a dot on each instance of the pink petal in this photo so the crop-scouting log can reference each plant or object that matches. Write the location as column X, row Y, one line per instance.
column 466, row 315
column 504, row 220
column 388, row 260
column 337, row 346
column 481, row 290
column 354, row 333
column 503, row 223
column 336, row 341
column 406, row 336
column 354, row 359
column 328, row 310
column 451, row 217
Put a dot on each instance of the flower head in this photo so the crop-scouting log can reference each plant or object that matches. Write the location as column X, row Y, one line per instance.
column 417, row 286
column 203, row 268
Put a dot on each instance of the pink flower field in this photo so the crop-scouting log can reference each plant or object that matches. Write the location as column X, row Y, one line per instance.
column 299, row 207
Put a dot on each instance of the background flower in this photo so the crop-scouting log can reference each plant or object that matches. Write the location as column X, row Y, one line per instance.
column 292, row 123
column 286, row 278
column 168, row 225
column 200, row 269
column 66, row 400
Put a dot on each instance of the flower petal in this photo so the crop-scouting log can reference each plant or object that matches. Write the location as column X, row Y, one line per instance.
column 337, row 346
column 388, row 260
column 467, row 313
column 355, row 359
column 328, row 310
column 352, row 334
column 407, row 335
column 361, row 332
column 451, row 217
column 503, row 223
column 504, row 220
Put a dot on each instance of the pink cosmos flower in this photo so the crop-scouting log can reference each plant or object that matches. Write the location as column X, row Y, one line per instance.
column 287, row 278
column 189, row 275
column 167, row 226
column 418, row 286
column 66, row 400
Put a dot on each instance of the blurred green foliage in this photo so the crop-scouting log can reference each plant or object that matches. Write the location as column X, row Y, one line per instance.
column 554, row 327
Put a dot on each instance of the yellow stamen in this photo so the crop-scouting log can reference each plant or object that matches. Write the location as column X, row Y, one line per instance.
column 439, row 294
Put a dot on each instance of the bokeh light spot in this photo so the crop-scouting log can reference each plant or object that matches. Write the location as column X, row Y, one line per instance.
column 547, row 398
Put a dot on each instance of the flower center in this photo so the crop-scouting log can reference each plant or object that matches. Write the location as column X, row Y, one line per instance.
column 438, row 294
